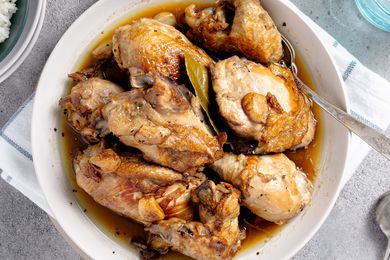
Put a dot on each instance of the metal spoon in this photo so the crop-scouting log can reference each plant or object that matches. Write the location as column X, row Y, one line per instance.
column 372, row 137
column 383, row 219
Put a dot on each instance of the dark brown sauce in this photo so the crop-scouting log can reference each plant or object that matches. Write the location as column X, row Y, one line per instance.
column 123, row 229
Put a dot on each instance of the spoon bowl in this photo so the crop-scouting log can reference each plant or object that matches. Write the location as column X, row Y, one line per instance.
column 383, row 218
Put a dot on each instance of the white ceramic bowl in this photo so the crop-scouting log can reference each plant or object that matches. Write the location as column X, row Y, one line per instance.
column 46, row 149
column 26, row 41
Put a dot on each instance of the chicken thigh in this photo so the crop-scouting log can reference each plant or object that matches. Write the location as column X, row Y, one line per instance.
column 272, row 186
column 148, row 45
column 263, row 104
column 163, row 121
column 84, row 104
column 251, row 32
column 133, row 188
column 216, row 236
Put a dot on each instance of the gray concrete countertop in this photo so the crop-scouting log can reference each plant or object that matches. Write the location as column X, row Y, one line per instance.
column 350, row 232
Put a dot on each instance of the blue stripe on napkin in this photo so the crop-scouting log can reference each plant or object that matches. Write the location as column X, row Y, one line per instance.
column 16, row 146
column 349, row 70
column 8, row 139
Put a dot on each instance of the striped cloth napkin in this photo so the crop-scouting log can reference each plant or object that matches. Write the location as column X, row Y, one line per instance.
column 369, row 96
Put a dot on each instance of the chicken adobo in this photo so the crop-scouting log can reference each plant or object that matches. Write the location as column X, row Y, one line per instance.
column 162, row 123
column 263, row 104
column 134, row 188
column 272, row 186
column 251, row 32
column 148, row 45
column 160, row 145
column 83, row 106
column 216, row 236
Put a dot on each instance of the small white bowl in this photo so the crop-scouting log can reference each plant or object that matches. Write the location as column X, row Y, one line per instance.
column 27, row 39
column 47, row 151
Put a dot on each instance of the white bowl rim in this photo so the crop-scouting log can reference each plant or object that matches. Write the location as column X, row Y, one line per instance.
column 347, row 108
column 344, row 100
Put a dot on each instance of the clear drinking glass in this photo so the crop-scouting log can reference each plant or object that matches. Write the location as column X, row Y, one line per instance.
column 376, row 12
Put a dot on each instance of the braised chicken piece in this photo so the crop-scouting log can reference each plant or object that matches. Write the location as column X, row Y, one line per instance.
column 148, row 45
column 104, row 50
column 133, row 188
column 263, row 104
column 84, row 104
column 272, row 186
column 216, row 236
column 162, row 120
column 251, row 32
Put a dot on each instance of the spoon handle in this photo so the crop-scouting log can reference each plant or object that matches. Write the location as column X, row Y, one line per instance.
column 374, row 138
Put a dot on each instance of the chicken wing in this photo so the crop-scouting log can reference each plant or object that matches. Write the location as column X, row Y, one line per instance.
column 148, row 45
column 272, row 186
column 133, row 188
column 103, row 68
column 263, row 104
column 84, row 104
column 216, row 236
column 251, row 32
column 163, row 121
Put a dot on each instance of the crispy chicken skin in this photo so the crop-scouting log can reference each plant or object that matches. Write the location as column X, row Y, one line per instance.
column 148, row 45
column 271, row 185
column 133, row 188
column 263, row 104
column 163, row 121
column 216, row 236
column 84, row 104
column 251, row 33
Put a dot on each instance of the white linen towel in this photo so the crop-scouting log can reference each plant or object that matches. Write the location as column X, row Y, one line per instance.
column 368, row 94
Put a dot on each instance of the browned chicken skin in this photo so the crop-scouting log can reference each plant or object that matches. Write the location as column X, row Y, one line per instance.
column 163, row 122
column 133, row 188
column 84, row 104
column 263, row 104
column 272, row 186
column 216, row 236
column 148, row 45
column 251, row 33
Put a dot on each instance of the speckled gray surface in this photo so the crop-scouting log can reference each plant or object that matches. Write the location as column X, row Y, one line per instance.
column 350, row 231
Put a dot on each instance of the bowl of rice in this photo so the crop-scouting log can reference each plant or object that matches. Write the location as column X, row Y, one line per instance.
column 15, row 16
column 20, row 25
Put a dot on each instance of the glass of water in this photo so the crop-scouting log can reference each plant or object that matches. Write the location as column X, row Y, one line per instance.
column 376, row 12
